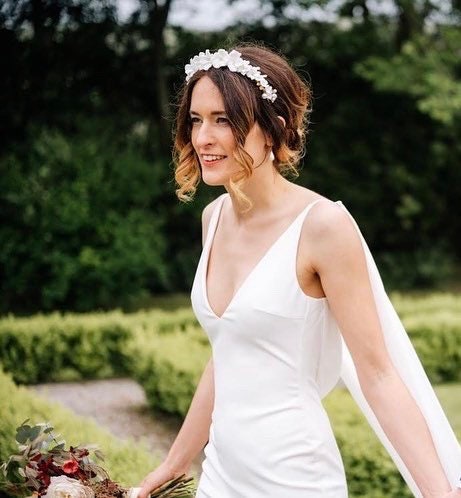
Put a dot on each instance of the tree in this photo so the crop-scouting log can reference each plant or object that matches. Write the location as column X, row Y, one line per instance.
column 151, row 19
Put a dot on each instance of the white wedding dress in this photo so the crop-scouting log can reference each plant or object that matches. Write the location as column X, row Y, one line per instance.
column 276, row 353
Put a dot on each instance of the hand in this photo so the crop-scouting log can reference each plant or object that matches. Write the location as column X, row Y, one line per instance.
column 156, row 478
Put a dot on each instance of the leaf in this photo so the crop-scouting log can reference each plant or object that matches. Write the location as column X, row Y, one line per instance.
column 99, row 455
column 34, row 433
column 30, row 473
column 58, row 447
column 22, row 433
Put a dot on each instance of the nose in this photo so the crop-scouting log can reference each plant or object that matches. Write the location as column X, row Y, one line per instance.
column 204, row 135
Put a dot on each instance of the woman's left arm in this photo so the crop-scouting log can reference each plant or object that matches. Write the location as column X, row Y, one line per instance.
column 339, row 260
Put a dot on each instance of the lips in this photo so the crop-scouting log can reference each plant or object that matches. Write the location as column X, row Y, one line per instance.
column 211, row 159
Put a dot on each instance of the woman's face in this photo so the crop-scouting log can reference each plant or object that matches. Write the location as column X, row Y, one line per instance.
column 212, row 136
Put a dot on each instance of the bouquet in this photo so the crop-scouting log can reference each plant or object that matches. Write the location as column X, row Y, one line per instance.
column 43, row 467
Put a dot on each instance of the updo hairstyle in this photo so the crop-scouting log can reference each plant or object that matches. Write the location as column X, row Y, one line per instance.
column 244, row 106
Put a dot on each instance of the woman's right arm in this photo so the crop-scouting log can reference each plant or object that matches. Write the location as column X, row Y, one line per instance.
column 191, row 438
column 194, row 431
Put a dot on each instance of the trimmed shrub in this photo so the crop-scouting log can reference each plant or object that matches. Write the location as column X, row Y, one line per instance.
column 58, row 348
column 67, row 347
column 88, row 346
column 166, row 353
column 370, row 471
column 433, row 322
column 168, row 367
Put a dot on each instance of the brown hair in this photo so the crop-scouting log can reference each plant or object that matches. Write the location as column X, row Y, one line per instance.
column 244, row 106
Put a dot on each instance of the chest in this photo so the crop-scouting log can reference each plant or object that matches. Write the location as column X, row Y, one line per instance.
column 234, row 259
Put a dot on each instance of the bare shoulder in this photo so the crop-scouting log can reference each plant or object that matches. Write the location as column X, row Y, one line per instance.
column 330, row 233
column 206, row 217
column 327, row 216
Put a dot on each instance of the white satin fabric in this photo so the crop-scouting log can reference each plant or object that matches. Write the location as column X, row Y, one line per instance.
column 276, row 354
column 411, row 371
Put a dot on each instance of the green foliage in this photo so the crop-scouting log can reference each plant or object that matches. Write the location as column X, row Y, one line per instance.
column 78, row 229
column 439, row 348
column 433, row 322
column 450, row 398
column 427, row 68
column 425, row 268
column 169, row 366
column 369, row 469
column 125, row 462
column 57, row 348
column 166, row 351
column 74, row 346
column 88, row 214
column 40, row 448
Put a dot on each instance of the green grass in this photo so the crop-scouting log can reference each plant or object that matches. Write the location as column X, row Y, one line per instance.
column 450, row 398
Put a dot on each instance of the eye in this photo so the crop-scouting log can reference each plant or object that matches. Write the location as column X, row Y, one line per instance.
column 194, row 120
column 222, row 120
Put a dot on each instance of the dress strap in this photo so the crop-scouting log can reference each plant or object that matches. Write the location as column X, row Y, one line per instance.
column 299, row 221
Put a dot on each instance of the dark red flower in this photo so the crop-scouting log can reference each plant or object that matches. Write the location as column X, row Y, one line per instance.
column 44, row 479
column 70, row 466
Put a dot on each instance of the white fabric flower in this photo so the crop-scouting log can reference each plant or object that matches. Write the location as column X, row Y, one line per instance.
column 220, row 58
column 65, row 487
column 234, row 62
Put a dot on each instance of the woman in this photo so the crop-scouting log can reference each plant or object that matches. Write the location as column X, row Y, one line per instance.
column 290, row 299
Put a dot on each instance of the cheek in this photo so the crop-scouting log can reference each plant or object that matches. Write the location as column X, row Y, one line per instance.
column 193, row 136
column 230, row 140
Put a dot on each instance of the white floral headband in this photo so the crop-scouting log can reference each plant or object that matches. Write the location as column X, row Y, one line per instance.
column 233, row 60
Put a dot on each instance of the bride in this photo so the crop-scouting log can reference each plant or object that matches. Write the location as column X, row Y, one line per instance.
column 290, row 298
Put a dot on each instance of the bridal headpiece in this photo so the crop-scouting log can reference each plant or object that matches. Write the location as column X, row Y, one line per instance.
column 232, row 60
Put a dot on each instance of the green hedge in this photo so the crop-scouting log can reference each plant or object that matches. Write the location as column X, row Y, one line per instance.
column 166, row 353
column 433, row 322
column 168, row 366
column 58, row 347
column 369, row 469
column 86, row 346
column 127, row 462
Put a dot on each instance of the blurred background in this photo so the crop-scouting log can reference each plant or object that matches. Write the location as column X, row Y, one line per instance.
column 97, row 255
column 89, row 218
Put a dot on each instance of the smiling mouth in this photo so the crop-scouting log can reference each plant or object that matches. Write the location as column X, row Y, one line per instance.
column 212, row 158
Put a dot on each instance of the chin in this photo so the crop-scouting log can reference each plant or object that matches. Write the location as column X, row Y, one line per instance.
column 214, row 180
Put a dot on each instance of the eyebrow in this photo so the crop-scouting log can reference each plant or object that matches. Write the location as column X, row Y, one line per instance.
column 214, row 113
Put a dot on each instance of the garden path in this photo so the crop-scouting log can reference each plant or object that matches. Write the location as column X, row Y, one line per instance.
column 119, row 405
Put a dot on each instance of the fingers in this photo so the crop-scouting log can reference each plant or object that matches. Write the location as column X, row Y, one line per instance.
column 147, row 485
column 150, row 483
column 145, row 490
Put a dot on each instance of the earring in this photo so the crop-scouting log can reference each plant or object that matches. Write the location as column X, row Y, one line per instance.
column 271, row 155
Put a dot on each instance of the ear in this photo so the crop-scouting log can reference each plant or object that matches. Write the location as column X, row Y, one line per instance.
column 268, row 139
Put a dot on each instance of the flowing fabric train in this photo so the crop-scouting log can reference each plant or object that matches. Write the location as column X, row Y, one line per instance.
column 411, row 371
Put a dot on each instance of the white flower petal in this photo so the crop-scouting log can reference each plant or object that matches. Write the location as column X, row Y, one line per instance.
column 234, row 62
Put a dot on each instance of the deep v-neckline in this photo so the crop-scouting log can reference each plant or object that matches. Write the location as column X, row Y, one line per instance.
column 264, row 256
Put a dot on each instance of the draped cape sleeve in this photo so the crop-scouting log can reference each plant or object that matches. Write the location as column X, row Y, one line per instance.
column 412, row 373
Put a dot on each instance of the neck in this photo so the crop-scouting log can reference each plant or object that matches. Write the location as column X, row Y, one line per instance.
column 266, row 191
